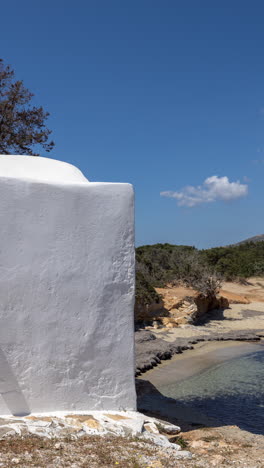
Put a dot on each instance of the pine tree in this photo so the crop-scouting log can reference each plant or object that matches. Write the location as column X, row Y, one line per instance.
column 22, row 126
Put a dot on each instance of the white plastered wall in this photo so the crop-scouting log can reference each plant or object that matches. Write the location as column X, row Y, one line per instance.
column 66, row 289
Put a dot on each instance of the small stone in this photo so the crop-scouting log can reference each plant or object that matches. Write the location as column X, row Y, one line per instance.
column 41, row 418
column 184, row 454
column 93, row 424
column 69, row 432
column 168, row 428
column 58, row 446
column 81, row 433
column 79, row 417
column 151, row 427
column 159, row 440
column 39, row 431
column 116, row 417
column 41, row 423
column 16, row 461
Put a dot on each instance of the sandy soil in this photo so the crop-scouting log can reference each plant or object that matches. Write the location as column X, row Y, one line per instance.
column 252, row 291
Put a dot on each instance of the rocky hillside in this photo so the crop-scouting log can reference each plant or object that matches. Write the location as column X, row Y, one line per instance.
column 259, row 238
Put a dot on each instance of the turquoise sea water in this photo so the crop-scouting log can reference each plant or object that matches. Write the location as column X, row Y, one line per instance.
column 231, row 392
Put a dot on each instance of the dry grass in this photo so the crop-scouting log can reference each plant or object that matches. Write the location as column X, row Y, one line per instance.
column 88, row 451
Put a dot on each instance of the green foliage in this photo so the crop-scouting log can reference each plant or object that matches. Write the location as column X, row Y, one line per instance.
column 145, row 293
column 182, row 442
column 237, row 261
column 160, row 264
column 22, row 126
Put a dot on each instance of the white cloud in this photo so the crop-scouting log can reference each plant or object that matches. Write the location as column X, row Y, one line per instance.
column 213, row 188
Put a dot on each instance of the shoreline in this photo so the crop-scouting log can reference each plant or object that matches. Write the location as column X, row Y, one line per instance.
column 152, row 350
column 240, row 322
column 211, row 442
column 195, row 361
column 203, row 356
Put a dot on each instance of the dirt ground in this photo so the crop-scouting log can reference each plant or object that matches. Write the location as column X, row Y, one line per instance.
column 215, row 447
column 252, row 291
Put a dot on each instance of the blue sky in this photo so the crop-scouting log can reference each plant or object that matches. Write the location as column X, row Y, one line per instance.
column 162, row 94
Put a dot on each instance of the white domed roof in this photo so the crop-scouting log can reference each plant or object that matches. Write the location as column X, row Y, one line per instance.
column 40, row 169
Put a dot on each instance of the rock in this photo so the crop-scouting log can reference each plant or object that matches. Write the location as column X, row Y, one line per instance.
column 151, row 427
column 58, row 446
column 156, row 324
column 92, row 424
column 117, row 417
column 170, row 429
column 74, row 426
column 6, row 431
column 81, row 433
column 159, row 440
column 190, row 309
column 47, row 419
column 134, row 427
column 149, row 312
column 40, row 423
column 166, row 427
column 68, row 432
column 39, row 431
column 184, row 454
column 205, row 304
column 143, row 335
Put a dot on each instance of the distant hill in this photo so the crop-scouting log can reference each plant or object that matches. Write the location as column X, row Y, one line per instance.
column 259, row 238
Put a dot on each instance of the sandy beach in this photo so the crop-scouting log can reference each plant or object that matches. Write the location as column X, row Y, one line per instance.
column 203, row 356
column 211, row 443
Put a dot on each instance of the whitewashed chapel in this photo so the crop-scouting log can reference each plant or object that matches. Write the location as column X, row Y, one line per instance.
column 66, row 289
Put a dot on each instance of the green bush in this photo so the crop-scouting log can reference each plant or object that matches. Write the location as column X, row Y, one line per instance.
column 160, row 264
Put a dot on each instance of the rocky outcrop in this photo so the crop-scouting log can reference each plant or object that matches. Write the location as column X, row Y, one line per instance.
column 206, row 304
column 124, row 424
column 149, row 311
column 173, row 311
column 151, row 350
